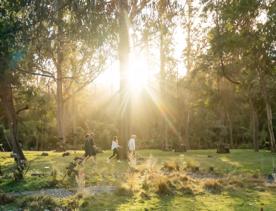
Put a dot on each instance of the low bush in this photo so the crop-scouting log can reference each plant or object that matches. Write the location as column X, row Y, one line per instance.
column 170, row 166
column 212, row 186
column 39, row 203
column 186, row 190
column 192, row 167
column 164, row 187
column 6, row 199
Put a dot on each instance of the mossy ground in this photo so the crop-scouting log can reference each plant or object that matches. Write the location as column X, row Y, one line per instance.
column 242, row 195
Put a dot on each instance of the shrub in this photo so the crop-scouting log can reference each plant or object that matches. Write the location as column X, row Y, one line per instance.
column 44, row 154
column 145, row 196
column 170, row 166
column 186, row 190
column 164, row 187
column 39, row 203
column 192, row 166
column 6, row 199
column 183, row 178
column 211, row 169
column 236, row 182
column 145, row 184
column 212, row 186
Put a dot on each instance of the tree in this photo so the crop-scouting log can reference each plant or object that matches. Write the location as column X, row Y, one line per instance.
column 126, row 13
column 13, row 30
column 241, row 46
column 71, row 39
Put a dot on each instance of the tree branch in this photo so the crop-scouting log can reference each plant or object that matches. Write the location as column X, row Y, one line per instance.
column 82, row 86
column 44, row 73
column 26, row 107
column 137, row 8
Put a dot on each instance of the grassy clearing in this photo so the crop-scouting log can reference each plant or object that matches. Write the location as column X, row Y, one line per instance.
column 195, row 180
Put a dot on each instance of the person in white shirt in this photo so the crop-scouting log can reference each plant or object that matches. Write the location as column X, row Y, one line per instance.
column 115, row 148
column 131, row 147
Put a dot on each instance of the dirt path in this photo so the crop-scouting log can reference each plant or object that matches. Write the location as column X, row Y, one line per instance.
column 63, row 192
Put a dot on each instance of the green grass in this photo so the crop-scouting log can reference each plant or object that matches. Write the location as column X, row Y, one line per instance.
column 243, row 163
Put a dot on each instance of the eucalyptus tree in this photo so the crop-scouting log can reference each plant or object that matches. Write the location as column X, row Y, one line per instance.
column 157, row 28
column 126, row 12
column 71, row 47
column 13, row 47
column 241, row 46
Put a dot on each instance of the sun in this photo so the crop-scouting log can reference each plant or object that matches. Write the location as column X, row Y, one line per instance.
column 138, row 73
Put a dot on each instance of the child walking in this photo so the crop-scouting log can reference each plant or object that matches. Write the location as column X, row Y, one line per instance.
column 115, row 149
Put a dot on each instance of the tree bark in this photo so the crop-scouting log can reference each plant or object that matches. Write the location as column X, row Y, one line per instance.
column 230, row 128
column 189, row 44
column 164, row 125
column 254, row 125
column 59, row 61
column 6, row 96
column 187, row 129
column 268, row 112
column 125, row 104
column 189, row 67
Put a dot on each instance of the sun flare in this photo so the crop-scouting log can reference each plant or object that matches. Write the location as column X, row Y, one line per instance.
column 138, row 73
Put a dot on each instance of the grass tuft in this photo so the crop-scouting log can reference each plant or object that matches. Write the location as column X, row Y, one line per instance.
column 170, row 166
column 192, row 167
column 164, row 187
column 212, row 186
column 186, row 190
column 39, row 203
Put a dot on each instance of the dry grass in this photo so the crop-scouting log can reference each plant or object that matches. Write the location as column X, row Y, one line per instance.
column 39, row 203
column 165, row 187
column 170, row 166
column 191, row 166
column 212, row 186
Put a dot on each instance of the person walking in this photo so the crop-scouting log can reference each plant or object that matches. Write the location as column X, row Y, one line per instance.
column 131, row 147
column 89, row 146
column 115, row 149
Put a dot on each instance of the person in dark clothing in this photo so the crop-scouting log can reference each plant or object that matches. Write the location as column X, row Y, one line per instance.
column 115, row 148
column 89, row 146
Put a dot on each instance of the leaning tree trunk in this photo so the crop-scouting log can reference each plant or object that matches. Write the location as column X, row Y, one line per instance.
column 125, row 97
column 268, row 112
column 6, row 96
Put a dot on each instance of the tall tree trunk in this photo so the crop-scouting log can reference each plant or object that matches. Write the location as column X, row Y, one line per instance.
column 230, row 128
column 125, row 97
column 6, row 96
column 59, row 61
column 268, row 111
column 189, row 67
column 189, row 43
column 187, row 129
column 163, row 95
column 254, row 125
column 74, row 119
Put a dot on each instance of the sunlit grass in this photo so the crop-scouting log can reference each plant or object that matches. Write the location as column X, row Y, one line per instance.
column 240, row 193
